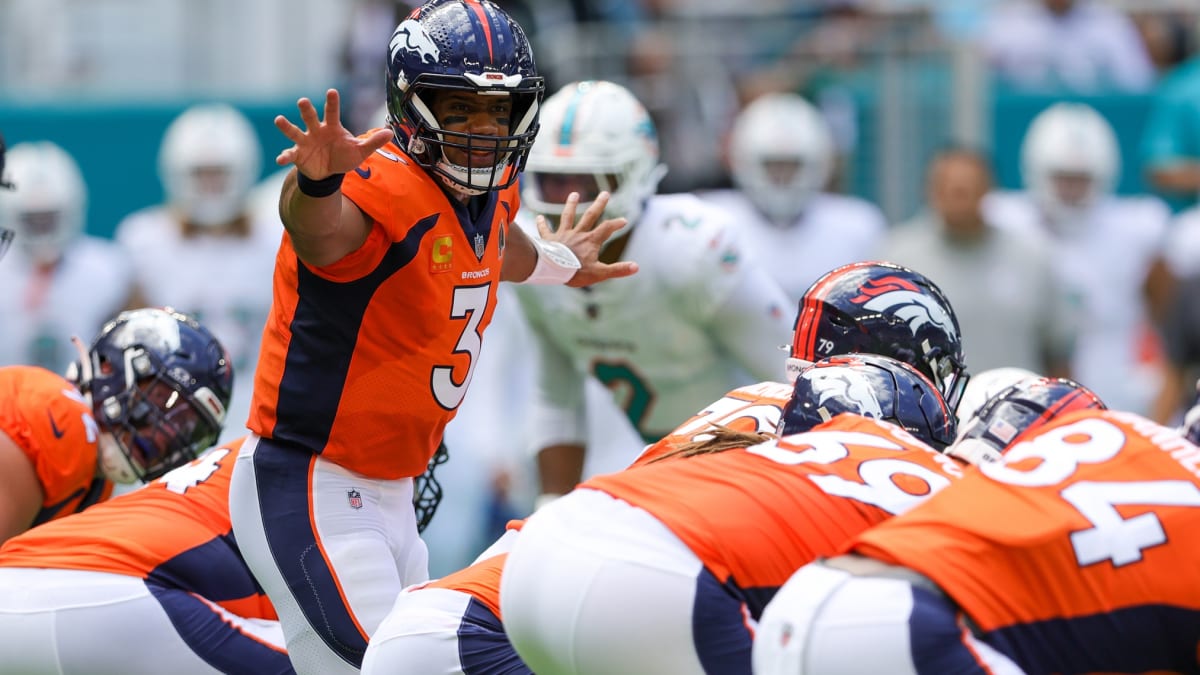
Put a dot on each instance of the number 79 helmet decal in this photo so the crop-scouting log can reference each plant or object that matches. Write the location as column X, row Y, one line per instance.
column 881, row 308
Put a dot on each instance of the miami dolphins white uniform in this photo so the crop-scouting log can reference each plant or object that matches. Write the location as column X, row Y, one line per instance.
column 1103, row 262
column 39, row 312
column 831, row 231
column 700, row 318
column 225, row 282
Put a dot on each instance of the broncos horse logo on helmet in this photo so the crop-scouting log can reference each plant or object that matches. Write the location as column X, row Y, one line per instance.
column 845, row 384
column 469, row 46
column 873, row 386
column 881, row 308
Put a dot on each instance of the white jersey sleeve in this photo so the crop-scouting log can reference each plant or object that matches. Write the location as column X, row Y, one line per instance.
column 720, row 285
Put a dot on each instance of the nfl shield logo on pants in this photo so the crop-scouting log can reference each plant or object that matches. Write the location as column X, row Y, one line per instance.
column 355, row 499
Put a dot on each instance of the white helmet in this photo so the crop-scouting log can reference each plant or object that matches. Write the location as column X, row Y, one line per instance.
column 982, row 387
column 595, row 136
column 47, row 210
column 780, row 154
column 207, row 138
column 1065, row 140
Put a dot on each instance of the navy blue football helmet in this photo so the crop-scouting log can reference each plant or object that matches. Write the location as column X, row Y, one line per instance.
column 160, row 385
column 1016, row 409
column 873, row 386
column 882, row 308
column 468, row 46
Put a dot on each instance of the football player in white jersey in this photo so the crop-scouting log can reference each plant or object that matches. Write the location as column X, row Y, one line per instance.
column 206, row 251
column 781, row 155
column 59, row 281
column 697, row 320
column 1109, row 250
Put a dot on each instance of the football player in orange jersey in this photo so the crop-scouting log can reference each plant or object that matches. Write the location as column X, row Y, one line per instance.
column 384, row 284
column 454, row 624
column 665, row 567
column 149, row 395
column 148, row 582
column 1076, row 554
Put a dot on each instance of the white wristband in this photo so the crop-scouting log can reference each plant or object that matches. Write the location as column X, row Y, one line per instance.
column 556, row 263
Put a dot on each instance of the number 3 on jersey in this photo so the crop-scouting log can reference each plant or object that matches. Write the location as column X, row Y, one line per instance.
column 470, row 303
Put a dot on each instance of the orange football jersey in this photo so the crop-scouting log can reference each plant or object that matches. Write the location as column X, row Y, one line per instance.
column 754, row 515
column 480, row 580
column 1080, row 552
column 175, row 530
column 391, row 332
column 47, row 417
column 754, row 407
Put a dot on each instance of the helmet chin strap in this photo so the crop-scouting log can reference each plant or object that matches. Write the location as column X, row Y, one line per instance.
column 114, row 463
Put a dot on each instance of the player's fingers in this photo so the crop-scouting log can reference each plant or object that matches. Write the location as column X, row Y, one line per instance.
column 333, row 106
column 600, row 272
column 308, row 113
column 567, row 219
column 608, row 227
column 594, row 212
column 622, row 269
column 293, row 132
column 543, row 227
column 286, row 157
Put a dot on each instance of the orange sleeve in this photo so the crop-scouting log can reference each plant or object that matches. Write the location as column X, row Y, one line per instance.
column 44, row 414
column 481, row 581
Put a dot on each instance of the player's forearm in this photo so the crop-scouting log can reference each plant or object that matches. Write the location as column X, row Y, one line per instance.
column 314, row 223
column 520, row 256
column 560, row 468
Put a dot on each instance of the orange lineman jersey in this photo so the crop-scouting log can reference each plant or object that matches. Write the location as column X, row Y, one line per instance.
column 175, row 531
column 51, row 422
column 366, row 360
column 481, row 579
column 754, row 515
column 754, row 407
column 1080, row 553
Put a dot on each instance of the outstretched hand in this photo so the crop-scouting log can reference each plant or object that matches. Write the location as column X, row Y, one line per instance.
column 324, row 148
column 585, row 239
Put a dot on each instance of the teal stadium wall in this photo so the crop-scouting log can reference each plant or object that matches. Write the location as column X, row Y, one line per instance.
column 116, row 145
